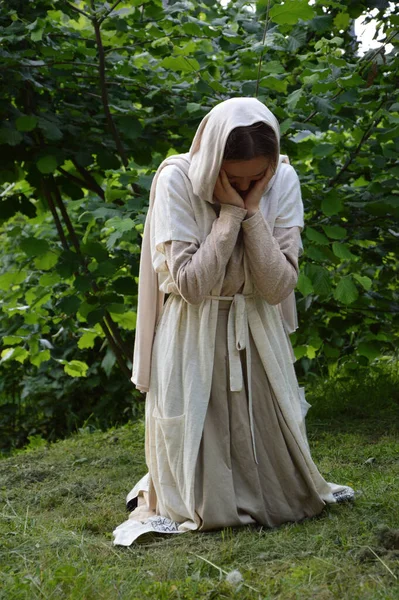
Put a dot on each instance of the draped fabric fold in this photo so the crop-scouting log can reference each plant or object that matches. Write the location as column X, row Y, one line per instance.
column 175, row 341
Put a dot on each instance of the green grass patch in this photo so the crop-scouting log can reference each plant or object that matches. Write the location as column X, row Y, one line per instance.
column 60, row 503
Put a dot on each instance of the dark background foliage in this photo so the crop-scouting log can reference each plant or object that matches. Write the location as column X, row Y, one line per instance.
column 94, row 95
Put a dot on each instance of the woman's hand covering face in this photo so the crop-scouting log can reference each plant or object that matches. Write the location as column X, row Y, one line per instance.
column 254, row 195
column 225, row 192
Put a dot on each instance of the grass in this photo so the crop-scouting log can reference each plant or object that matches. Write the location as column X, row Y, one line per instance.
column 60, row 503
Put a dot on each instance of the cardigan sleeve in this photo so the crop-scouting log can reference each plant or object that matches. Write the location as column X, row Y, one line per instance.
column 195, row 269
column 272, row 257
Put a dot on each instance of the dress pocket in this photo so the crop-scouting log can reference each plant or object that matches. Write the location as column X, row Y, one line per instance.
column 169, row 442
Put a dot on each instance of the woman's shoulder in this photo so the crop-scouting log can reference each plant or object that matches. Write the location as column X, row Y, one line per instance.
column 174, row 170
column 287, row 173
column 172, row 182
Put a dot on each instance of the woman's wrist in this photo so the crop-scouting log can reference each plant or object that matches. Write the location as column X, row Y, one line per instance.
column 251, row 212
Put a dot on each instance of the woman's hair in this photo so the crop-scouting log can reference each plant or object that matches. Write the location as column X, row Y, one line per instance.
column 245, row 143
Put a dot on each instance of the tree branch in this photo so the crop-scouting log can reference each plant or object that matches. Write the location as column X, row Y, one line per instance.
column 104, row 93
column 378, row 51
column 109, row 327
column 263, row 50
column 91, row 183
column 73, row 178
column 78, row 10
column 56, row 218
column 351, row 158
column 65, row 216
column 115, row 349
column 116, row 333
column 109, row 12
column 314, row 113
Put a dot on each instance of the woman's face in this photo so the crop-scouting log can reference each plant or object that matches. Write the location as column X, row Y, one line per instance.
column 242, row 174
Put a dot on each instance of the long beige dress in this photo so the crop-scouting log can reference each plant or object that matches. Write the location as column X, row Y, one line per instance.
column 231, row 488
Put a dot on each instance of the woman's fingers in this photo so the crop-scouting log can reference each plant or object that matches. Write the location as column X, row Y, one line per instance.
column 225, row 193
column 225, row 181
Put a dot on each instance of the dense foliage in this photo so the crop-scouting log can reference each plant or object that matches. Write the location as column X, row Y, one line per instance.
column 94, row 95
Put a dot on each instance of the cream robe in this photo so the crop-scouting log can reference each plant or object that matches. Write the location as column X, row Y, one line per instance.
column 176, row 366
column 182, row 358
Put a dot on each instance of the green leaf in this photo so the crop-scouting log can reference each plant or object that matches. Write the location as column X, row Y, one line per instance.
column 87, row 339
column 69, row 305
column 9, row 136
column 193, row 107
column 370, row 350
column 342, row 251
column 112, row 194
column 26, row 123
column 322, row 150
column 46, row 261
column 180, row 64
column 330, row 351
column 33, row 246
column 76, row 368
column 126, row 320
column 273, row 83
column 351, row 81
column 323, row 105
column 39, row 358
column 335, row 232
column 131, row 127
column 293, row 99
column 311, row 352
column 47, row 164
column 331, row 204
column 51, row 131
column 315, row 253
column 341, row 20
column 273, row 66
column 11, row 340
column 346, row 291
column 300, row 352
column 304, row 285
column 320, row 278
column 290, row 12
column 95, row 316
column 125, row 286
column 12, row 278
column 364, row 281
column 107, row 160
column 36, row 36
column 82, row 283
column 95, row 250
column 19, row 354
column 49, row 279
column 108, row 361
column 316, row 236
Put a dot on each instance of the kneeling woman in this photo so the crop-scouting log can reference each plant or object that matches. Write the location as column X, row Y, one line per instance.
column 225, row 437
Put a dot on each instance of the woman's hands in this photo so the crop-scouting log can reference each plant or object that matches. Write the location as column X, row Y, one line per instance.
column 253, row 197
column 225, row 193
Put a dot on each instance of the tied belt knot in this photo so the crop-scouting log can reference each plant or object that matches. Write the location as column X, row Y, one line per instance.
column 237, row 340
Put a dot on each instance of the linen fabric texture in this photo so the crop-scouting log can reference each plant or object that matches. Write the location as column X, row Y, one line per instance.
column 175, row 341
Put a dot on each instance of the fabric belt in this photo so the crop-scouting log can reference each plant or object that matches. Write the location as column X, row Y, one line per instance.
column 238, row 339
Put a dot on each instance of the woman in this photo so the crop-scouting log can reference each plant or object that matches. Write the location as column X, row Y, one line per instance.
column 225, row 437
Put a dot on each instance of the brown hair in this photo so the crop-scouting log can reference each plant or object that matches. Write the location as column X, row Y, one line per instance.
column 245, row 143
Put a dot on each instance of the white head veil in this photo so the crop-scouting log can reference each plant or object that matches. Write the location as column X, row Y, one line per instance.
column 207, row 149
column 201, row 165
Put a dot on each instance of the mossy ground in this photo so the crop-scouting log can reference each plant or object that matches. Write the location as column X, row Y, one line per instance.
column 60, row 503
